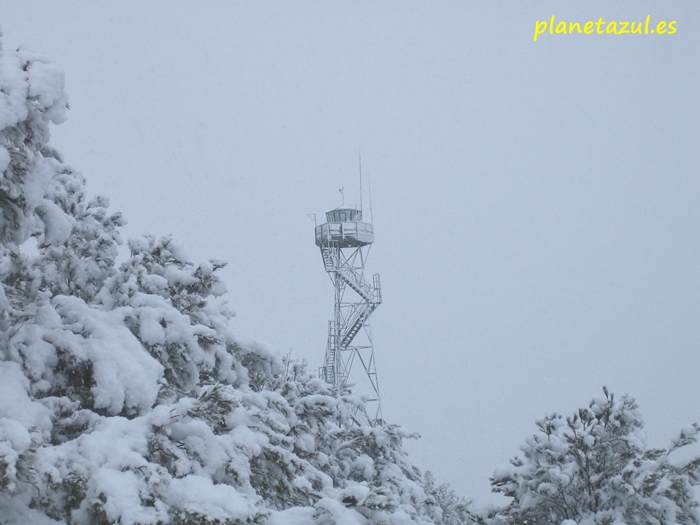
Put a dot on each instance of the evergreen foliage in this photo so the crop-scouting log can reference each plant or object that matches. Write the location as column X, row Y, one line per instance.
column 448, row 507
column 595, row 468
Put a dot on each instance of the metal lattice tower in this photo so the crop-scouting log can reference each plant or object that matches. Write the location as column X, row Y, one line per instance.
column 345, row 242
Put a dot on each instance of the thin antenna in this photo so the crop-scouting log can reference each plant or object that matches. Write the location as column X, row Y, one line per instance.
column 369, row 183
column 342, row 195
column 360, row 158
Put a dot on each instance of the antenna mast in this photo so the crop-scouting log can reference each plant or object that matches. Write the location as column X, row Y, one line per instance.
column 360, row 159
column 369, row 183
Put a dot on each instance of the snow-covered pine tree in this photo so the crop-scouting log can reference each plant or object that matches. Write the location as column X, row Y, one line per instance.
column 125, row 396
column 595, row 468
column 449, row 508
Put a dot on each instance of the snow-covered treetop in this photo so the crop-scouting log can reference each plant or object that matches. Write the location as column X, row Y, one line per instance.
column 594, row 467
column 31, row 97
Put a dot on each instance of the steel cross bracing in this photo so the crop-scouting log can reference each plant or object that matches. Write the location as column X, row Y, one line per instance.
column 355, row 300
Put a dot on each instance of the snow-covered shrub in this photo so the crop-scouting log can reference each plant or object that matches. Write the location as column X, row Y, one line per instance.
column 595, row 468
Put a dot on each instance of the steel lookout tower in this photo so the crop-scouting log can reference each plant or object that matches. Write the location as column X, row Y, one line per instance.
column 345, row 241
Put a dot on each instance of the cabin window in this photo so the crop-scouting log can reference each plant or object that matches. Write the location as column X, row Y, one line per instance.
column 344, row 216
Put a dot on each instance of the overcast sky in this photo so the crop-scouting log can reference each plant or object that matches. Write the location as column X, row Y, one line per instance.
column 536, row 204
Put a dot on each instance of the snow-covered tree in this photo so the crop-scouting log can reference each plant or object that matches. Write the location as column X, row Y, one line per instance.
column 125, row 395
column 595, row 468
column 448, row 507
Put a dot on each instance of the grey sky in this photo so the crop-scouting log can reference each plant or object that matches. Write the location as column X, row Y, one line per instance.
column 536, row 204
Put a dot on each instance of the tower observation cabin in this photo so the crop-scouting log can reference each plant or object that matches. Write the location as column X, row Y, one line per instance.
column 344, row 229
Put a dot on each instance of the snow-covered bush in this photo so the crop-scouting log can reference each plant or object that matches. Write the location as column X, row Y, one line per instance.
column 595, row 468
column 125, row 395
